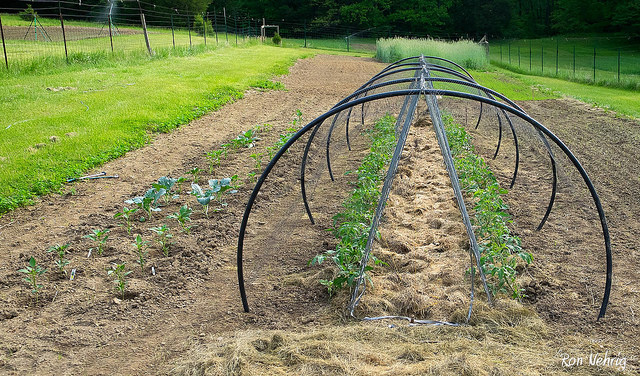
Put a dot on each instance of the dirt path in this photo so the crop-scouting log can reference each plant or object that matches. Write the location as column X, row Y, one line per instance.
column 77, row 325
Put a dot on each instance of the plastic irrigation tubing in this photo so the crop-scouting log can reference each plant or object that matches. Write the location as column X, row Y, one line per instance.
column 416, row 67
column 499, row 134
column 356, row 94
column 520, row 114
column 311, row 138
column 397, row 62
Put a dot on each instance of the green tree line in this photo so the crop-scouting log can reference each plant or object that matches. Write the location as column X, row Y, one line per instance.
column 496, row 18
column 512, row 18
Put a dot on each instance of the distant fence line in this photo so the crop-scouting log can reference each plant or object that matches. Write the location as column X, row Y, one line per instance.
column 595, row 59
column 69, row 30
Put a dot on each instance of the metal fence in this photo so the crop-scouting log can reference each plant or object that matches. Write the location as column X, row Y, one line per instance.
column 73, row 30
column 596, row 59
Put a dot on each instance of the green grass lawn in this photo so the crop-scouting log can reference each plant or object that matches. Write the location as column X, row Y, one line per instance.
column 111, row 108
column 525, row 87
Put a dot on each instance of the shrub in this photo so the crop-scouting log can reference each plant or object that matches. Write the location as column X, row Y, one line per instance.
column 199, row 25
column 277, row 39
column 28, row 14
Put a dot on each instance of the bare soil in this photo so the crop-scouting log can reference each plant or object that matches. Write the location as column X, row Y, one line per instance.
column 82, row 327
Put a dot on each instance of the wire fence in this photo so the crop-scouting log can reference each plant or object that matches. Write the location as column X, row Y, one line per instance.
column 72, row 30
column 596, row 59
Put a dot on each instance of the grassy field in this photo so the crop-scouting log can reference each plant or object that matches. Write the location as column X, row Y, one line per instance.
column 59, row 123
column 617, row 59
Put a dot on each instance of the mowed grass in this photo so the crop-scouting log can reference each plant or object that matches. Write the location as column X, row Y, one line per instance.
column 59, row 123
column 524, row 87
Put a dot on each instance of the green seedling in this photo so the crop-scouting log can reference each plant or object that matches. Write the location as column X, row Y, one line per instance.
column 99, row 236
column 182, row 216
column 118, row 271
column 61, row 262
column 33, row 272
column 257, row 157
column 163, row 237
column 222, row 186
column 127, row 217
column 195, row 172
column 178, row 185
column 148, row 202
column 167, row 184
column 244, row 140
column 141, row 249
column 262, row 128
column 203, row 197
column 214, row 158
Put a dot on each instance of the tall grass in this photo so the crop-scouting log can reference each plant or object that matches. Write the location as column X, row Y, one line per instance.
column 464, row 52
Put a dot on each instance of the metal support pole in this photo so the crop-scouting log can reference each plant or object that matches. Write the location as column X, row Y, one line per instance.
column 226, row 33
column 557, row 50
column 204, row 26
column 529, row 56
column 574, row 61
column 144, row 29
column 189, row 26
column 305, row 34
column 509, row 53
column 64, row 35
column 542, row 57
column 501, row 53
column 215, row 23
column 518, row 56
column 594, row 63
column 173, row 35
column 235, row 28
column 618, row 65
column 110, row 32
column 4, row 47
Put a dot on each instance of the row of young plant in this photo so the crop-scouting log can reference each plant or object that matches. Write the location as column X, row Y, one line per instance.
column 500, row 251
column 351, row 226
column 141, row 209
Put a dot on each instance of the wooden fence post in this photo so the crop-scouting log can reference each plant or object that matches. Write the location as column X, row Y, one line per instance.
column 64, row 35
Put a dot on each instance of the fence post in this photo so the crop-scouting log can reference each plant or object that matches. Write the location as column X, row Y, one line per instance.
column 215, row 23
column 305, row 33
column 226, row 32
column 4, row 48
column 110, row 31
column 173, row 35
column 204, row 26
column 574, row 61
column 557, row 50
column 529, row 55
column 542, row 57
column 64, row 36
column 618, row 65
column 235, row 28
column 144, row 29
column 189, row 26
column 509, row 52
column 518, row 56
column 501, row 53
column 594, row 64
